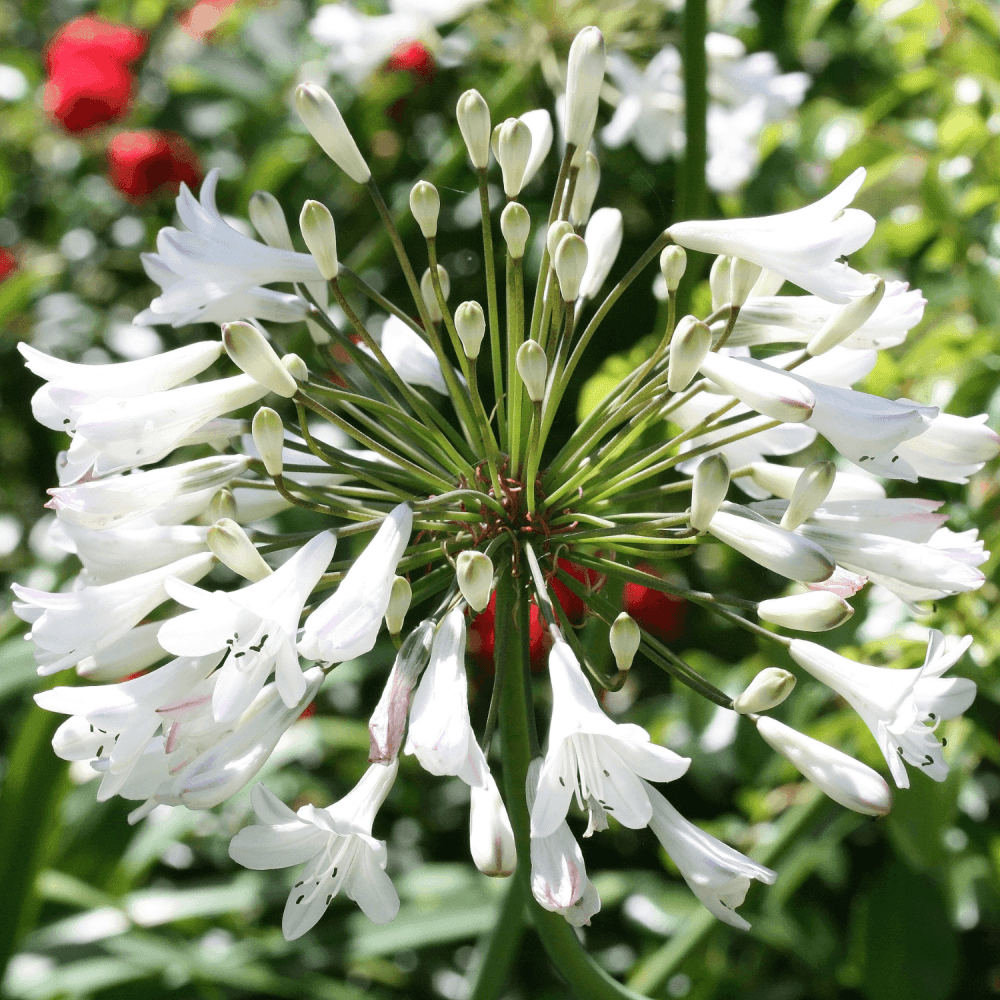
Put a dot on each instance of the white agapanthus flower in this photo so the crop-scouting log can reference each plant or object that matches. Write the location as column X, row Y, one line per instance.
column 902, row 708
column 717, row 874
column 440, row 733
column 951, row 449
column 346, row 625
column 804, row 246
column 212, row 273
column 603, row 237
column 559, row 880
column 69, row 626
column 589, row 755
column 336, row 842
column 256, row 627
column 411, row 356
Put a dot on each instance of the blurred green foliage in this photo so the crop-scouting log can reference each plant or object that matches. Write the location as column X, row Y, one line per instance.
column 905, row 906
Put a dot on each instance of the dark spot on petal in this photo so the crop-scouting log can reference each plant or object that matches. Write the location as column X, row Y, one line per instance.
column 299, row 900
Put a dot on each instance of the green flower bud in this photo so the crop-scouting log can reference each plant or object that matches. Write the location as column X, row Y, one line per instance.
column 251, row 352
column 231, row 545
column 320, row 235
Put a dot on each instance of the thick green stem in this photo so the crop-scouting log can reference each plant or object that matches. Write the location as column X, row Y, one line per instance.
column 692, row 199
column 500, row 950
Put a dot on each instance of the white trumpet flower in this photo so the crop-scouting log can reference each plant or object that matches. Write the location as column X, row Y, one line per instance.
column 213, row 269
column 346, row 625
column 716, row 873
column 897, row 705
column 336, row 841
column 599, row 760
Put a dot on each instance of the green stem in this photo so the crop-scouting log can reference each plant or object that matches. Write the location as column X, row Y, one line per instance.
column 500, row 950
column 489, row 263
column 515, row 337
column 695, row 27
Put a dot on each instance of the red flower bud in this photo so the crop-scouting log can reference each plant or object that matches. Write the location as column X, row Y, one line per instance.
column 413, row 57
column 83, row 93
column 8, row 263
column 91, row 38
column 141, row 163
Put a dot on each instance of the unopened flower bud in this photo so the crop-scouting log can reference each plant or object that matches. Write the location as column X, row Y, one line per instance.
column 473, row 115
column 843, row 322
column 425, row 204
column 223, row 505
column 513, row 150
column 232, row 547
column 815, row 611
column 781, row 480
column 533, row 367
column 515, row 224
column 673, row 263
column 780, row 551
column 429, row 295
column 766, row 691
column 491, row 837
column 268, row 219
column 570, row 263
column 711, row 483
column 720, row 281
column 474, row 572
column 743, row 276
column 813, row 487
column 295, row 367
column 251, row 352
column 470, row 324
column 400, row 596
column 584, row 76
column 625, row 637
column 846, row 780
column 269, row 438
column 322, row 117
column 554, row 235
column 320, row 235
column 588, row 180
column 767, row 390
column 689, row 346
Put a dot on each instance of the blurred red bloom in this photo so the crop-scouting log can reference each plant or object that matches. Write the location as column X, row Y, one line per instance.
column 482, row 637
column 89, row 79
column 8, row 263
column 413, row 57
column 141, row 163
column 662, row 615
column 574, row 607
column 91, row 37
column 204, row 17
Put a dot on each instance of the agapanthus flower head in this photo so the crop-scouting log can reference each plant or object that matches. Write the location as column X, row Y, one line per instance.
column 485, row 526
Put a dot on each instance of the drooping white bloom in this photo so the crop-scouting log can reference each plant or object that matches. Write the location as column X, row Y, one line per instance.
column 539, row 124
column 133, row 432
column 440, row 733
column 116, row 553
column 599, row 760
column 898, row 544
column 761, row 387
column 208, row 762
column 846, row 780
column 337, row 843
column 211, row 262
column 257, row 625
column 346, row 625
column 491, row 837
column 117, row 721
column 388, row 721
column 951, row 449
column 70, row 387
column 896, row 705
column 68, row 626
column 411, row 356
column 134, row 652
column 716, row 873
column 559, row 880
column 782, row 319
column 804, row 246
column 114, row 501
column 603, row 237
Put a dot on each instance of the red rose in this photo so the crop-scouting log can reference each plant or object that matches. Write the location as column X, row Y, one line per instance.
column 141, row 163
column 89, row 79
column 482, row 637
column 662, row 615
column 8, row 263
column 413, row 57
